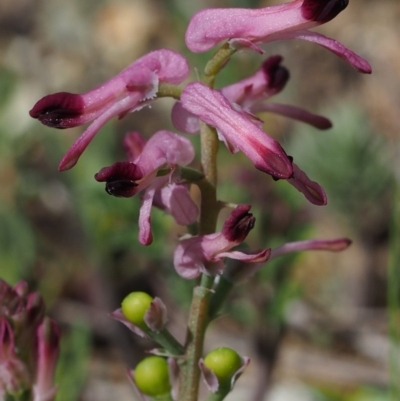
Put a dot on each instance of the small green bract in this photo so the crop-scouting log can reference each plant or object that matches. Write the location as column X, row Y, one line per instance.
column 152, row 376
column 134, row 307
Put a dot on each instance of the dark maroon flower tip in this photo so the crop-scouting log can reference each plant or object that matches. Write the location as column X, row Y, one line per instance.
column 120, row 179
column 279, row 165
column 322, row 10
column 277, row 75
column 238, row 224
column 121, row 188
column 59, row 110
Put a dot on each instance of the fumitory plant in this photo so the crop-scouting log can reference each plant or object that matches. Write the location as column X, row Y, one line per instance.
column 161, row 167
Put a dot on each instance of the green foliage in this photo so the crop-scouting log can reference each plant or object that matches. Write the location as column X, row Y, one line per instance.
column 360, row 394
column 7, row 86
column 17, row 246
column 72, row 366
column 351, row 161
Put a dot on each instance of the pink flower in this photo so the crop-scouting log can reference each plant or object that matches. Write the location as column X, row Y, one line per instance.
column 236, row 129
column 130, row 90
column 250, row 93
column 253, row 27
column 163, row 151
column 239, row 272
column 204, row 254
column 239, row 133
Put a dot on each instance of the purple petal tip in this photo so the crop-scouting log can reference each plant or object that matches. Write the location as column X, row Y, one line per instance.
column 58, row 110
column 238, row 224
column 120, row 179
column 322, row 10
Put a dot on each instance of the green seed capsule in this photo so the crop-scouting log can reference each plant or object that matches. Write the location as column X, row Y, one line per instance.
column 134, row 307
column 224, row 362
column 152, row 376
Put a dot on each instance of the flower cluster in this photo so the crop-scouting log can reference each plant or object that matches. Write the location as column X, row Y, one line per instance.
column 154, row 166
column 29, row 345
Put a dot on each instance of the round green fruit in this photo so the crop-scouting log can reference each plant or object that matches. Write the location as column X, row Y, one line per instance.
column 152, row 376
column 224, row 362
column 134, row 307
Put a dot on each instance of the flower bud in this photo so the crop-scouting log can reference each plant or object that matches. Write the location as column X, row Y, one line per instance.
column 134, row 307
column 152, row 376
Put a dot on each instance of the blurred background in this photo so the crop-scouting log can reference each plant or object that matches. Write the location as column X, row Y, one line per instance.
column 317, row 326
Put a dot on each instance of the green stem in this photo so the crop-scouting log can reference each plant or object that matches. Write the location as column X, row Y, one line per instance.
column 198, row 316
column 198, row 319
column 169, row 90
column 191, row 174
column 217, row 63
column 209, row 209
column 168, row 341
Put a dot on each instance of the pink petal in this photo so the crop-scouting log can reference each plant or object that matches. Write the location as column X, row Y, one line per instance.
column 294, row 112
column 214, row 109
column 335, row 245
column 332, row 45
column 177, row 201
column 310, row 189
column 259, row 257
column 183, row 120
column 72, row 156
column 210, row 26
column 145, row 235
column 174, row 67
column 165, row 147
